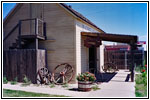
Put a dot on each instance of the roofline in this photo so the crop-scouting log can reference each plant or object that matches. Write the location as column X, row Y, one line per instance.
column 73, row 14
column 11, row 12
column 76, row 16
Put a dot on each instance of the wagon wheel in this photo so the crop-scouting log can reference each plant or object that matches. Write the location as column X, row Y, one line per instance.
column 43, row 76
column 63, row 73
column 109, row 67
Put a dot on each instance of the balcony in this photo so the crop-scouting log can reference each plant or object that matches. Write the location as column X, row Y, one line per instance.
column 32, row 28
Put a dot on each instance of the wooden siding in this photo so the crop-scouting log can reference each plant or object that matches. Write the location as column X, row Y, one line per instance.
column 23, row 12
column 82, row 52
column 84, row 56
column 59, row 27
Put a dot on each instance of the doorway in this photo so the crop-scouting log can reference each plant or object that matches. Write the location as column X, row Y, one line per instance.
column 92, row 60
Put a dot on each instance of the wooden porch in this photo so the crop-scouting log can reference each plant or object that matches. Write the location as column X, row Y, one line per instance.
column 94, row 39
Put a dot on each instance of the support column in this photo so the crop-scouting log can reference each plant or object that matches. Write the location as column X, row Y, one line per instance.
column 132, row 63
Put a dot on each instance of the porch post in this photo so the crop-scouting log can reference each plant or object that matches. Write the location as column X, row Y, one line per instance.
column 132, row 63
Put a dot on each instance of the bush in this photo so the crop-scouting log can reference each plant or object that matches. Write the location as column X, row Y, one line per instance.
column 5, row 81
column 26, row 81
column 52, row 85
column 95, row 87
column 14, row 81
column 141, row 83
column 65, row 85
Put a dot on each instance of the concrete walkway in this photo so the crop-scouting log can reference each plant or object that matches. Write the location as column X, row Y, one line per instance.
column 116, row 87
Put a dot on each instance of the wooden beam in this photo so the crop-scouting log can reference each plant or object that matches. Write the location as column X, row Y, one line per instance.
column 112, row 37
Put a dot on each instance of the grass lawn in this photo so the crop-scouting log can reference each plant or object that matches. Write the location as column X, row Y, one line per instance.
column 14, row 93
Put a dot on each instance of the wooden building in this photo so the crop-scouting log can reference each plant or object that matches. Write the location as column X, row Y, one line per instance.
column 65, row 35
column 55, row 28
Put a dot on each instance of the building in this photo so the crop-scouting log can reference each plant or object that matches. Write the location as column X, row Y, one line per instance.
column 65, row 35
column 61, row 36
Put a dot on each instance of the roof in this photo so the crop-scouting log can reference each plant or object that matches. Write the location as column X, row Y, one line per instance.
column 77, row 14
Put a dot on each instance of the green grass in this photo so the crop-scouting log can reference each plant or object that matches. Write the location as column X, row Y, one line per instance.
column 14, row 93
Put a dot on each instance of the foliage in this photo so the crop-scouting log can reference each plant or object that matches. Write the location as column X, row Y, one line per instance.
column 87, row 76
column 141, row 83
column 52, row 85
column 5, row 81
column 14, row 81
column 26, row 81
column 95, row 87
column 65, row 85
column 14, row 93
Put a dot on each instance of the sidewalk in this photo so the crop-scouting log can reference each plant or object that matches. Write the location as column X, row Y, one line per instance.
column 117, row 87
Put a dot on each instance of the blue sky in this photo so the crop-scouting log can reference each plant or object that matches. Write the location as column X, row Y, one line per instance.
column 118, row 18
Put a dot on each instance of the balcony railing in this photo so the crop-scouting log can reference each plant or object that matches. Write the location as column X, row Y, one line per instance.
column 32, row 27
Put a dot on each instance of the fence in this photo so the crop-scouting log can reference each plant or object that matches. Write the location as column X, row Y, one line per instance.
column 122, row 58
column 18, row 63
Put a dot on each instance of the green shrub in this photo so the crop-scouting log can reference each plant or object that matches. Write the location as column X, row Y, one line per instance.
column 5, row 81
column 95, row 87
column 65, row 85
column 52, row 85
column 141, row 83
column 26, row 81
column 14, row 81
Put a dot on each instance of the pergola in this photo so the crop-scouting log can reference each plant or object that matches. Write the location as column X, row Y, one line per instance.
column 94, row 39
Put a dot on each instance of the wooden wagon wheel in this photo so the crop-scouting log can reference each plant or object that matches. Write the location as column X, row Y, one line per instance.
column 63, row 73
column 109, row 67
column 43, row 76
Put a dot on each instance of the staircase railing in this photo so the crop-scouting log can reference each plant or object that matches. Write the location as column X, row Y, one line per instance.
column 39, row 27
column 14, row 28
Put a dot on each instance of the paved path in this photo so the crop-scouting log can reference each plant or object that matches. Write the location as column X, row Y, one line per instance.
column 117, row 87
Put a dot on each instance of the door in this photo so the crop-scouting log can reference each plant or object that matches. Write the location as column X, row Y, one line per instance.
column 92, row 59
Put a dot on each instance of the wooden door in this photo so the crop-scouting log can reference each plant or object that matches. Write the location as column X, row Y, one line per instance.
column 92, row 59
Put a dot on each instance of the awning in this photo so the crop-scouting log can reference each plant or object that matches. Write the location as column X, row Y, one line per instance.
column 130, row 39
